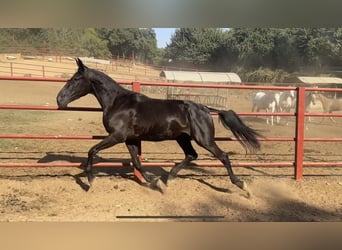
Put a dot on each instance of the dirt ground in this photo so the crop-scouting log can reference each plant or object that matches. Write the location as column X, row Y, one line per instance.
column 199, row 194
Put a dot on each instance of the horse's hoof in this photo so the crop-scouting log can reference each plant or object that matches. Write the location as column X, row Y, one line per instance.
column 240, row 184
column 164, row 178
column 243, row 186
column 249, row 194
column 91, row 179
column 158, row 184
column 170, row 177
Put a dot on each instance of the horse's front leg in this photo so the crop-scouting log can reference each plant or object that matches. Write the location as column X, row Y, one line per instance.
column 133, row 149
column 109, row 141
column 268, row 117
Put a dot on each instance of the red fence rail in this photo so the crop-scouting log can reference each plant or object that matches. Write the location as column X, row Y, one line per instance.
column 299, row 138
column 11, row 67
column 119, row 67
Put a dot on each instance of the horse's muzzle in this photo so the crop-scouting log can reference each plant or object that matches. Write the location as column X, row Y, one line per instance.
column 61, row 103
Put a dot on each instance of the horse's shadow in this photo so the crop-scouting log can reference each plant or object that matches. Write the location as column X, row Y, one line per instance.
column 126, row 171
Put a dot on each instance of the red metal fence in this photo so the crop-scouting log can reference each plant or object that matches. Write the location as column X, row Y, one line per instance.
column 39, row 69
column 299, row 138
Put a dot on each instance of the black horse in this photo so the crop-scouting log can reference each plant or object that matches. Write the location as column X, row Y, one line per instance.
column 131, row 117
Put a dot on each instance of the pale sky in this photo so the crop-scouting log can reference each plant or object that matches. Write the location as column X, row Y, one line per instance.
column 164, row 36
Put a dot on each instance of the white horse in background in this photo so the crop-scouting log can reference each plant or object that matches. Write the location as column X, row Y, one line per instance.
column 310, row 99
column 268, row 101
column 287, row 101
column 281, row 102
column 329, row 104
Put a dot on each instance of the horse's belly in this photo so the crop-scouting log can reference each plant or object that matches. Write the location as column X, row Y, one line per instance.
column 160, row 131
column 155, row 137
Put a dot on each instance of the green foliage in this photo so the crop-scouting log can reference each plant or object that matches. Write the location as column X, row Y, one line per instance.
column 254, row 46
column 91, row 45
column 101, row 43
column 264, row 75
column 291, row 49
column 259, row 54
column 29, row 39
column 196, row 46
column 125, row 43
column 81, row 42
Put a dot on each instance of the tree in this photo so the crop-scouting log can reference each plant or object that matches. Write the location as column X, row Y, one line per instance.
column 27, row 40
column 195, row 46
column 92, row 45
column 337, row 40
column 247, row 49
column 254, row 46
column 126, row 42
column 64, row 40
column 318, row 47
column 285, row 55
column 144, row 44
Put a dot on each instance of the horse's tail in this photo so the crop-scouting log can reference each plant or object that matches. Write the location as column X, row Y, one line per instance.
column 244, row 134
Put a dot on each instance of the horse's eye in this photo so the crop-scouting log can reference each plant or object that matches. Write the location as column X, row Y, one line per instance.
column 76, row 78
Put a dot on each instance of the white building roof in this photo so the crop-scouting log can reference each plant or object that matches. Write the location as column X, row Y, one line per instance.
column 194, row 76
column 320, row 80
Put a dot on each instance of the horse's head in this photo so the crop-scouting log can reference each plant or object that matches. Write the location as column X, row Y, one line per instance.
column 292, row 94
column 77, row 86
column 314, row 96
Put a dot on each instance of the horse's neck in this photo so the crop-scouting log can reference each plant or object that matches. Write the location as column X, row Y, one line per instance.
column 106, row 90
column 308, row 99
column 325, row 101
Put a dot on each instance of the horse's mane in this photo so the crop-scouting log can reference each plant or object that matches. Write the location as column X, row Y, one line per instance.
column 99, row 77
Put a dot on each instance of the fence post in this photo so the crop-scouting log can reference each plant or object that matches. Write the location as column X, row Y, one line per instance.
column 43, row 68
column 136, row 88
column 299, row 146
column 11, row 67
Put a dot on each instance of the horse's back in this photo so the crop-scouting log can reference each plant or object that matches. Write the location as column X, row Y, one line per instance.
column 263, row 100
column 258, row 96
column 157, row 119
column 336, row 104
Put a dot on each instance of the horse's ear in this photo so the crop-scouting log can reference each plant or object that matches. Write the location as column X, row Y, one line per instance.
column 80, row 64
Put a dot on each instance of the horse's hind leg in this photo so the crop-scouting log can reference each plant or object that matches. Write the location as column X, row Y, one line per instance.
column 223, row 157
column 253, row 107
column 332, row 119
column 184, row 141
